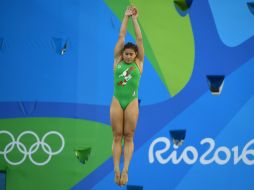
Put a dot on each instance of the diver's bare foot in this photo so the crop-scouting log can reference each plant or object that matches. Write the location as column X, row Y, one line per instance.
column 124, row 177
column 117, row 177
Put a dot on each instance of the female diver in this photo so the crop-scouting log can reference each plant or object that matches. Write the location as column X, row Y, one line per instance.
column 128, row 67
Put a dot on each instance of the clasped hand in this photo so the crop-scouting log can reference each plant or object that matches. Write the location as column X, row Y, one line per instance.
column 131, row 11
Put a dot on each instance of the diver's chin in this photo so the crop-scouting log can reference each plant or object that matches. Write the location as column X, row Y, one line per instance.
column 128, row 61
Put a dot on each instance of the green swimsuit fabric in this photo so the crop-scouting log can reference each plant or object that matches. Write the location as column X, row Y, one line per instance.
column 126, row 82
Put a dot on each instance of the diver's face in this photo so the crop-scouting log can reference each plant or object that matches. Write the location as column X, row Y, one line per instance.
column 129, row 55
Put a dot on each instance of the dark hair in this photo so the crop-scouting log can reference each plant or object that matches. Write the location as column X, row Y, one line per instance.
column 130, row 45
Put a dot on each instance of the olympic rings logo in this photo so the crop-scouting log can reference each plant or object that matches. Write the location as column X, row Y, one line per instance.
column 33, row 148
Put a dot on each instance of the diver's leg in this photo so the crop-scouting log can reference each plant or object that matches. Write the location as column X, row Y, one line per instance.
column 116, row 119
column 130, row 120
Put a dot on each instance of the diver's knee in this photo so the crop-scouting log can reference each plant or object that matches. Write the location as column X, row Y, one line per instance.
column 128, row 136
column 118, row 136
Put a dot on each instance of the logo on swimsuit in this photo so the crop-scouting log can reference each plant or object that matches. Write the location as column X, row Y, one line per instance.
column 127, row 76
column 221, row 155
column 134, row 93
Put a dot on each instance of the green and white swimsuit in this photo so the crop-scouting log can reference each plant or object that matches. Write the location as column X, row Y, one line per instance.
column 126, row 82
